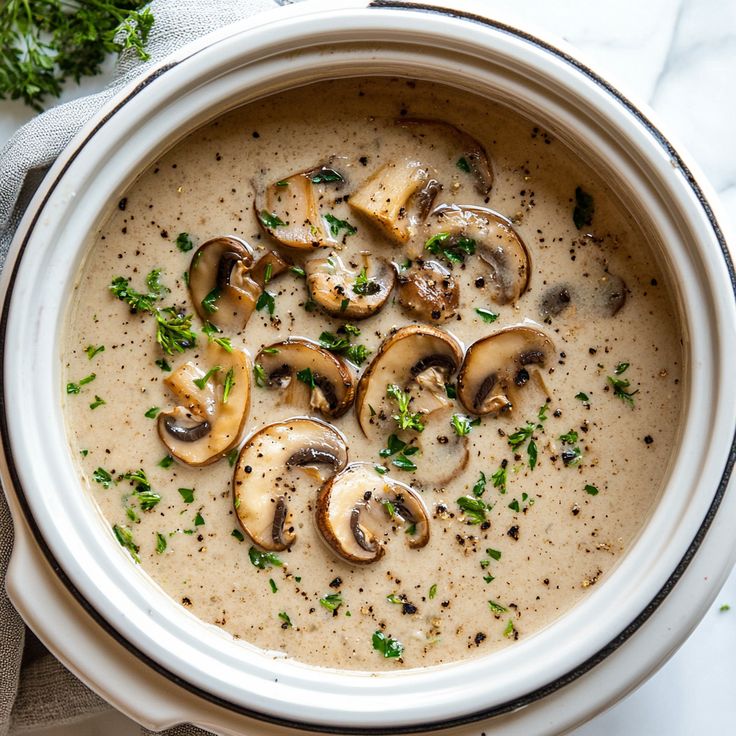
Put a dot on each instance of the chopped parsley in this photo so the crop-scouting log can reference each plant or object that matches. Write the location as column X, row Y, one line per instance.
column 582, row 396
column 500, row 477
column 591, row 490
column 286, row 620
column 451, row 390
column 202, row 382
column 259, row 374
column 380, row 469
column 487, row 316
column 174, row 331
column 228, row 385
column 161, row 543
column 238, row 535
column 405, row 419
column 526, row 502
column 326, row 176
column 91, row 350
column 97, row 402
column 390, row 648
column 463, row 165
column 262, row 560
column 473, row 508
column 270, row 219
column 452, row 248
column 344, row 304
column 496, row 608
column 337, row 225
column 209, row 303
column 480, row 485
column 163, row 364
column 403, row 463
column 125, row 538
column 463, row 425
column 298, row 271
column 152, row 412
column 267, row 273
column 166, row 462
column 147, row 497
column 365, row 286
column 621, row 368
column 199, row 519
column 432, row 590
column 526, row 434
column 356, row 354
column 187, row 494
column 571, row 453
column 75, row 388
column 232, row 457
column 184, row 242
column 510, row 631
column 266, row 301
column 582, row 215
column 224, row 342
column 306, row 376
column 621, row 390
column 102, row 477
column 272, row 584
column 332, row 601
column 725, row 607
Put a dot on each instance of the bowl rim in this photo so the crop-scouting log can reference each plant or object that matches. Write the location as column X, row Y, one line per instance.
column 585, row 666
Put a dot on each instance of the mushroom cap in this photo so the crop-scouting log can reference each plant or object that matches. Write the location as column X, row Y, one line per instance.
column 443, row 455
column 269, row 258
column 355, row 518
column 420, row 357
column 271, row 468
column 202, row 427
column 496, row 365
column 220, row 270
column 288, row 211
column 384, row 198
column 497, row 244
column 331, row 282
column 427, row 291
column 473, row 152
column 334, row 384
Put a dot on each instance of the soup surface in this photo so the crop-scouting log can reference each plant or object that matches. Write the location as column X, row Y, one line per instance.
column 492, row 495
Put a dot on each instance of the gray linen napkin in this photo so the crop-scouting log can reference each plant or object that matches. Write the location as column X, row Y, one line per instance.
column 35, row 690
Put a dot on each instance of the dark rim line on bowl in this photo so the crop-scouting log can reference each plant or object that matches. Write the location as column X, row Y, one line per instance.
column 509, row 706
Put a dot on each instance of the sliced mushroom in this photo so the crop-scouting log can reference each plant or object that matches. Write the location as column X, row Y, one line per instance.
column 555, row 301
column 350, row 293
column 268, row 267
column 289, row 212
column 417, row 358
column 427, row 291
column 358, row 509
column 301, row 367
column 496, row 366
column 443, row 455
column 612, row 290
column 386, row 197
column 220, row 283
column 473, row 153
column 209, row 419
column 271, row 469
column 495, row 241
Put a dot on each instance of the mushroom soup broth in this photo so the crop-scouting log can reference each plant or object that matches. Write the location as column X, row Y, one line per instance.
column 373, row 373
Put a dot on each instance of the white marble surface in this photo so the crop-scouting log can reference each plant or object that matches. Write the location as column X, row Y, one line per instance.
column 679, row 56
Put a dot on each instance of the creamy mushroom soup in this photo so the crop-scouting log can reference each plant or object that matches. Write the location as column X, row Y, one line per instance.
column 373, row 374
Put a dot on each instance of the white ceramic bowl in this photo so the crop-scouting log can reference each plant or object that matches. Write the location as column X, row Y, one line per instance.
column 276, row 52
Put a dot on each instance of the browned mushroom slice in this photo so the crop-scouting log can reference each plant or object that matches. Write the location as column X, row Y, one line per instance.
column 427, row 291
column 417, row 358
column 220, row 284
column 385, row 197
column 358, row 509
column 350, row 293
column 288, row 211
column 493, row 239
column 277, row 462
column 268, row 267
column 212, row 406
column 496, row 366
column 472, row 152
column 443, row 455
column 302, row 368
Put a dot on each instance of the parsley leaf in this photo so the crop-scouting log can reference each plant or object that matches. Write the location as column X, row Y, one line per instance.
column 204, row 380
column 405, row 419
column 266, row 300
column 332, row 601
column 184, row 242
column 262, row 560
column 453, row 248
column 228, row 385
column 91, row 350
column 337, row 225
column 326, row 175
column 473, row 508
column 270, row 220
column 462, row 425
column 480, row 485
column 365, row 286
column 125, row 538
column 591, row 490
column 487, row 316
column 102, row 477
column 161, row 543
column 386, row 645
column 620, row 390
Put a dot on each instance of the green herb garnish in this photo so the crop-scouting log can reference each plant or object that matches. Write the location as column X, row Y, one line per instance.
column 91, row 350
column 298, row 271
column 365, row 286
column 125, row 537
column 259, row 375
column 204, row 380
column 174, row 331
column 326, row 176
column 591, row 490
column 332, row 601
column 337, row 225
column 209, row 303
column 620, row 390
column 463, row 165
column 213, row 332
column 152, row 412
column 285, row 618
column 187, row 494
column 306, row 376
column 166, row 462
column 161, row 543
column 262, row 560
column 97, row 402
column 487, row 316
column 266, row 300
column 432, row 590
column 500, row 478
column 480, row 485
column 228, row 385
column 473, row 508
column 238, row 535
column 270, row 220
column 163, row 364
column 102, row 477
column 405, row 419
column 463, row 425
column 184, row 242
column 496, row 608
column 582, row 396
column 386, row 645
column 453, row 248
